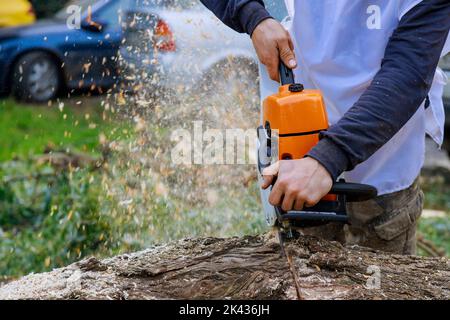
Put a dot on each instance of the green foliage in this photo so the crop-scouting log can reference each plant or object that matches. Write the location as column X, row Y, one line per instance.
column 47, row 8
column 435, row 184
column 437, row 230
column 47, row 220
column 437, row 197
column 50, row 218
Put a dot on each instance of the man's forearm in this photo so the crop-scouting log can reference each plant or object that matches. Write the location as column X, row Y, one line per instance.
column 241, row 15
column 396, row 92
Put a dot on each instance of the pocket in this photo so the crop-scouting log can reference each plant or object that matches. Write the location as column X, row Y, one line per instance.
column 401, row 220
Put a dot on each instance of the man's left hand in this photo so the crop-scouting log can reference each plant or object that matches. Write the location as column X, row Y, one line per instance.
column 299, row 183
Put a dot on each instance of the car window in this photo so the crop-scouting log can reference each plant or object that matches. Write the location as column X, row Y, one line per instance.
column 276, row 8
column 83, row 4
column 111, row 12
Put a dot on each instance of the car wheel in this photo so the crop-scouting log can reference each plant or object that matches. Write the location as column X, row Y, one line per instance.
column 36, row 78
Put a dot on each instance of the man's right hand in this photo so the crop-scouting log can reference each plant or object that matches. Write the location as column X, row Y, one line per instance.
column 272, row 42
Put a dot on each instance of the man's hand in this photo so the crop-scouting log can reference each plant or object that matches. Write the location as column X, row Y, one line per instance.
column 272, row 41
column 299, row 183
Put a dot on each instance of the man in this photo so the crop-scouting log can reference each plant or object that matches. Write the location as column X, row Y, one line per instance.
column 376, row 65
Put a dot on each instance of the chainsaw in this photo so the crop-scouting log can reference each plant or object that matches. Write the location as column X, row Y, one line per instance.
column 292, row 119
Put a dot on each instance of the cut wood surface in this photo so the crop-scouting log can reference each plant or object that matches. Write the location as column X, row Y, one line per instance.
column 251, row 267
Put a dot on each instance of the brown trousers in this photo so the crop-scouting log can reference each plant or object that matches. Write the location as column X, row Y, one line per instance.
column 387, row 223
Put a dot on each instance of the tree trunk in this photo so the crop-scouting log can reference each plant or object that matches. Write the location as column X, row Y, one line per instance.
column 243, row 268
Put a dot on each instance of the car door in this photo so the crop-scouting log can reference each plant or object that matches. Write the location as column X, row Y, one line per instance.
column 91, row 51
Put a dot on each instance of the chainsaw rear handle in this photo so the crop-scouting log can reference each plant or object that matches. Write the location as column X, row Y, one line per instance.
column 286, row 74
column 325, row 212
column 354, row 192
column 317, row 217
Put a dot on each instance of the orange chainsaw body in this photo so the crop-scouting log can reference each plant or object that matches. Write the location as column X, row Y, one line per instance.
column 298, row 117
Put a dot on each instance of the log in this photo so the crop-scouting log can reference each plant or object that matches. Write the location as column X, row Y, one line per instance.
column 251, row 267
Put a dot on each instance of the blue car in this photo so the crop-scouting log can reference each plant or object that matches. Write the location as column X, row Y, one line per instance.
column 39, row 61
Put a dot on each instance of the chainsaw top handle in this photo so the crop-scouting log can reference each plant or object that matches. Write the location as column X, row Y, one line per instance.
column 354, row 192
column 286, row 74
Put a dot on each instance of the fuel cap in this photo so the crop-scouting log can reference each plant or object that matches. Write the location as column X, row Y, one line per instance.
column 296, row 87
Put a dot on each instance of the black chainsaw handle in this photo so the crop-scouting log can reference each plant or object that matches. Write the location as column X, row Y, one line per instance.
column 286, row 74
column 354, row 192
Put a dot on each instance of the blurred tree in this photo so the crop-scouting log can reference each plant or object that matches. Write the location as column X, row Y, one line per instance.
column 46, row 8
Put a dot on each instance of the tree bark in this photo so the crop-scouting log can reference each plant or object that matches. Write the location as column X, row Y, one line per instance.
column 251, row 267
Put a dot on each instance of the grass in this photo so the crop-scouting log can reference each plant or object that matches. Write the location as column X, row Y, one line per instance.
column 29, row 129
